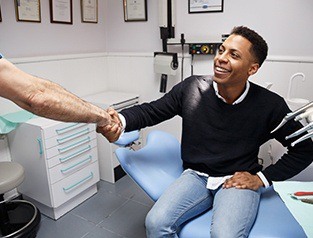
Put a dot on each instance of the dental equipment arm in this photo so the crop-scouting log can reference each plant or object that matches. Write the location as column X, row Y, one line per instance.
column 302, row 130
column 292, row 115
column 307, row 136
column 308, row 115
column 306, row 112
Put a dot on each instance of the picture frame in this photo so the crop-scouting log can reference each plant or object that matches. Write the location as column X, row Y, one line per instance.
column 135, row 10
column 205, row 6
column 61, row 11
column 0, row 14
column 28, row 10
column 89, row 11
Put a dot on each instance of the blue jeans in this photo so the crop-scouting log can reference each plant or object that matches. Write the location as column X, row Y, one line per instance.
column 234, row 210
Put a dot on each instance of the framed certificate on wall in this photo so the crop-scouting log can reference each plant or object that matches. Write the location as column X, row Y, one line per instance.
column 28, row 10
column 61, row 11
column 89, row 11
column 135, row 10
column 205, row 6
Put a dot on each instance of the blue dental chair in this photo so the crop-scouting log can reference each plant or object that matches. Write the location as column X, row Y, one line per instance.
column 158, row 164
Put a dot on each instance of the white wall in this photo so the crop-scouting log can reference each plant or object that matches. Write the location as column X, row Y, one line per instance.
column 24, row 39
column 132, row 36
column 285, row 24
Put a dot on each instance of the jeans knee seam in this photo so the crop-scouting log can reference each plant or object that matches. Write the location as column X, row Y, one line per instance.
column 196, row 203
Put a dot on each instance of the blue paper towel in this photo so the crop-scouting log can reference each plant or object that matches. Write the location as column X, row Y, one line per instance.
column 10, row 121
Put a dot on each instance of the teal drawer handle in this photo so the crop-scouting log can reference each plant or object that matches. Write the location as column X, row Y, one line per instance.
column 73, row 136
column 66, row 148
column 78, row 183
column 67, row 158
column 40, row 145
column 65, row 129
column 83, row 162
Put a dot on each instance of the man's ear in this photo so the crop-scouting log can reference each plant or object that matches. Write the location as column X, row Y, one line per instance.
column 253, row 69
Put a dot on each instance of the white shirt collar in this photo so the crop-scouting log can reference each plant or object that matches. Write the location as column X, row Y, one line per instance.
column 239, row 100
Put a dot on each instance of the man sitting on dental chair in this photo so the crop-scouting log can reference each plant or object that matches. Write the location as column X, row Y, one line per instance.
column 226, row 119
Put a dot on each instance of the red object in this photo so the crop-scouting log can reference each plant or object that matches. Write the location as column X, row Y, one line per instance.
column 301, row 193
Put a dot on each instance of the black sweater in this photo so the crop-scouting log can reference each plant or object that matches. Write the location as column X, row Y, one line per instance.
column 220, row 139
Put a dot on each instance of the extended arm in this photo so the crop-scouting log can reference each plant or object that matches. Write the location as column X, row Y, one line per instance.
column 45, row 98
column 155, row 112
column 146, row 114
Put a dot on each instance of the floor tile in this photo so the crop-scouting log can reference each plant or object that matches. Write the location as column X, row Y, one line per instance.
column 98, row 207
column 99, row 232
column 128, row 220
column 68, row 226
column 127, row 188
column 124, row 187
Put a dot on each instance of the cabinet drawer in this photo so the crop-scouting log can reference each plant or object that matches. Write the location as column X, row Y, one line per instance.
column 61, row 128
column 78, row 153
column 68, row 136
column 72, row 154
column 71, row 145
column 65, row 169
column 74, row 184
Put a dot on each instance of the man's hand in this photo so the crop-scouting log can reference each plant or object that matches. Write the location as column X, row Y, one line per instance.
column 113, row 131
column 244, row 180
column 105, row 119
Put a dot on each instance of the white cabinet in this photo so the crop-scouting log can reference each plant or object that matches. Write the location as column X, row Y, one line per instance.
column 110, row 169
column 60, row 161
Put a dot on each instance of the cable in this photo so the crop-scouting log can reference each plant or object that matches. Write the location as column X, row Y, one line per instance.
column 182, row 42
column 182, row 65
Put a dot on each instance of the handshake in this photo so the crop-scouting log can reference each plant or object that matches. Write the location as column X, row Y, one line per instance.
column 111, row 126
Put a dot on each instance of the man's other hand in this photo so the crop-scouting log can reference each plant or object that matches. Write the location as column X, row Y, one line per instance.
column 244, row 180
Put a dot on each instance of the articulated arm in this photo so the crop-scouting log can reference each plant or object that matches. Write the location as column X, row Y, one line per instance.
column 306, row 112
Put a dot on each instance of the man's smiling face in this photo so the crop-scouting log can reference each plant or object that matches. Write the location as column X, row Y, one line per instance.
column 234, row 62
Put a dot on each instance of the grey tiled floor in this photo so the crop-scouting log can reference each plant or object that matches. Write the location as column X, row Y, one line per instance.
column 116, row 211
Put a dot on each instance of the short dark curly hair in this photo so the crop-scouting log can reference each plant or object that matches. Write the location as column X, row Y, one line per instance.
column 259, row 46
